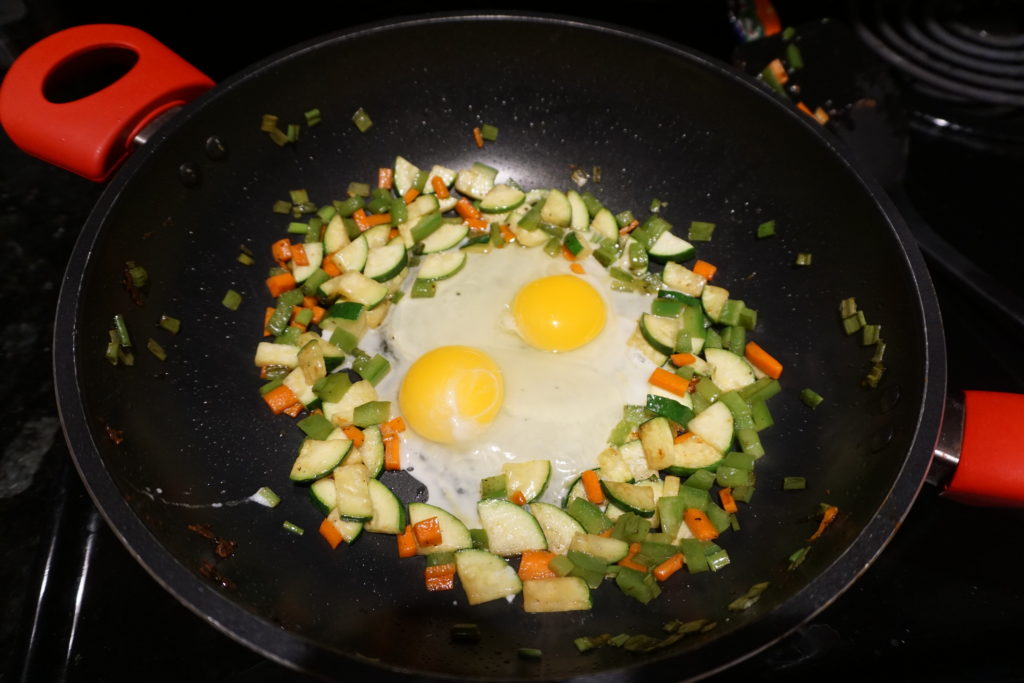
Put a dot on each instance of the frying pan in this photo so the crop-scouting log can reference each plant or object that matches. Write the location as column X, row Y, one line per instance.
column 661, row 122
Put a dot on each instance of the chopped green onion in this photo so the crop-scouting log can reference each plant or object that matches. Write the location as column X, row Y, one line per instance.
column 804, row 258
column 423, row 289
column 794, row 483
column 752, row 596
column 853, row 323
column 155, row 348
column 871, row 334
column 879, row 354
column 122, row 331
column 292, row 132
column 489, row 132
column 362, row 120
column 137, row 274
column 811, row 398
column 847, row 307
column 313, row 117
column 266, row 497
column 294, row 528
column 281, row 206
column 279, row 137
column 656, row 205
column 465, row 633
column 788, row 33
column 874, row 376
column 358, row 189
column 112, row 348
column 529, row 653
column 300, row 196
column 701, row 231
column 766, row 229
column 798, row 557
column 268, row 123
column 793, row 57
column 624, row 218
column 232, row 300
column 245, row 259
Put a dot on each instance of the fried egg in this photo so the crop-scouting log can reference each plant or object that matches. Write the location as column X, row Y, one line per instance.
column 515, row 358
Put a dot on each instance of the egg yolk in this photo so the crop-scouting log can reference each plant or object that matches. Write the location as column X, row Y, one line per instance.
column 451, row 393
column 558, row 313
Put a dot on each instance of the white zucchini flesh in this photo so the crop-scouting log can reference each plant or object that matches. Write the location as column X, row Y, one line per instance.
column 485, row 576
column 562, row 594
column 529, row 478
column 558, row 526
column 510, row 529
column 729, row 371
column 454, row 534
column 714, row 425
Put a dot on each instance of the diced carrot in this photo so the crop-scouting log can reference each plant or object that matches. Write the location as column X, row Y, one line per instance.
column 465, row 208
column 392, row 233
column 805, row 109
column 280, row 398
column 567, row 255
column 428, row 532
column 263, row 372
column 376, row 219
column 728, row 502
column 395, row 424
column 768, row 17
column 440, row 189
column 392, row 452
column 477, row 223
column 385, row 178
column 299, row 257
column 359, row 216
column 681, row 359
column 577, row 268
column 668, row 567
column 778, row 71
column 318, row 314
column 684, row 437
column 281, row 283
column 762, row 360
column 478, row 137
column 308, row 301
column 282, row 250
column 533, row 565
column 592, row 485
column 293, row 410
column 440, row 577
column 669, row 381
column 410, row 195
column 628, row 562
column 820, row 115
column 507, row 233
column 518, row 497
column 330, row 266
column 827, row 516
column 705, row 269
column 629, row 227
column 355, row 435
column 607, row 533
column 267, row 315
column 699, row 524
column 407, row 542
column 330, row 533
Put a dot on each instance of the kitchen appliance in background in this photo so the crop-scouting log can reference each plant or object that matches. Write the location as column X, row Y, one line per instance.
column 88, row 600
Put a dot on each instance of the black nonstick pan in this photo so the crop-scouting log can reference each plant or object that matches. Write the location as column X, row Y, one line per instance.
column 172, row 450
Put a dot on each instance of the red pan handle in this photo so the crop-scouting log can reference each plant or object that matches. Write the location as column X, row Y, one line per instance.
column 91, row 135
column 991, row 467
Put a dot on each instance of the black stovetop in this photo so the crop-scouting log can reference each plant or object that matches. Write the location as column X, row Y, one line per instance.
column 941, row 602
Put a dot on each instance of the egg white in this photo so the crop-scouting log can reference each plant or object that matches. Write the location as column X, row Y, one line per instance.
column 557, row 406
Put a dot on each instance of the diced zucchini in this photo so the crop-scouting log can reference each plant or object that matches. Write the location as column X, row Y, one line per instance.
column 485, row 576
column 357, row 287
column 454, row 534
column 352, row 256
column 335, row 235
column 315, row 256
column 440, row 266
column 318, row 458
column 683, row 279
column 530, row 477
column 502, row 198
column 352, row 483
column 605, row 225
column 269, row 353
column 729, row 371
column 510, row 529
column 656, row 437
column 476, row 181
column 384, row 263
column 445, row 237
column 609, row 549
column 342, row 411
column 694, row 454
column 558, row 526
column 714, row 425
column 348, row 529
column 388, row 512
column 405, row 175
column 633, row 498
column 580, row 218
column 371, row 451
column 556, row 210
column 613, row 466
column 714, row 299
column 660, row 333
column 562, row 594
column 669, row 247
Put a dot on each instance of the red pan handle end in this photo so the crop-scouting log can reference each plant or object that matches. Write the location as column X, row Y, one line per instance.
column 991, row 467
column 57, row 102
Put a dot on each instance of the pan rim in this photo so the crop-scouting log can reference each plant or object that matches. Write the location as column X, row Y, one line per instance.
column 301, row 653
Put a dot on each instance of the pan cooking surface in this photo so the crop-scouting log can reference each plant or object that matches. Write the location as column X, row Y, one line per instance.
column 661, row 123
